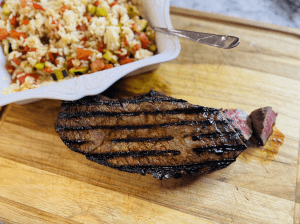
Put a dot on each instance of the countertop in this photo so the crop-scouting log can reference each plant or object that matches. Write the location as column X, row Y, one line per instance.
column 278, row 12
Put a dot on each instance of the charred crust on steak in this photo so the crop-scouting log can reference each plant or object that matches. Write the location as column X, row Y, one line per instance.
column 151, row 133
column 166, row 172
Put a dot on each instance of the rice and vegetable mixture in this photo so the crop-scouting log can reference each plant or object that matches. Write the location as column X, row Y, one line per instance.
column 52, row 40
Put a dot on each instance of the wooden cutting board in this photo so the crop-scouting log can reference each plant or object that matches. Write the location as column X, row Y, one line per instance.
column 42, row 181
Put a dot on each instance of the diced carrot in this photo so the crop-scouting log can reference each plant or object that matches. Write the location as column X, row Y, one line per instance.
column 134, row 27
column 126, row 41
column 89, row 18
column 25, row 50
column 97, row 65
column 18, row 35
column 83, row 39
column 32, row 49
column 124, row 61
column 26, row 22
column 38, row 7
column 136, row 48
column 144, row 39
column 83, row 54
column 43, row 60
column 53, row 21
column 101, row 47
column 122, row 56
column 64, row 8
column 23, row 3
column 10, row 68
column 114, row 3
column 14, row 21
column 16, row 61
column 3, row 33
column 48, row 69
column 108, row 66
column 83, row 27
column 51, row 56
column 22, row 78
column 70, row 62
column 97, row 3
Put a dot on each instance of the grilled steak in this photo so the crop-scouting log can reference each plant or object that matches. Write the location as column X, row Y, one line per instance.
column 151, row 133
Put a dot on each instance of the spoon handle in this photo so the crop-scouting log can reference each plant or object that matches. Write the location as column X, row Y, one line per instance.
column 221, row 41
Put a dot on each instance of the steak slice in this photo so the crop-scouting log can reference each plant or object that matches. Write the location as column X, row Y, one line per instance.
column 151, row 133
column 263, row 120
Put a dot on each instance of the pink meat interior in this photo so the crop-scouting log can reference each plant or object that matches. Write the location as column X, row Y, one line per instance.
column 269, row 123
column 239, row 119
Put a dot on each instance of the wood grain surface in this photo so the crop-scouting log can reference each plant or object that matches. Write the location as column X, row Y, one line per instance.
column 42, row 181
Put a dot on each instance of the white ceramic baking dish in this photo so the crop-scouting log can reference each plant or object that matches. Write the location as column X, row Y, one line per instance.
column 158, row 14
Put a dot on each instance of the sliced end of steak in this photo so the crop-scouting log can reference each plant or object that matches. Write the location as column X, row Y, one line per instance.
column 241, row 120
column 151, row 133
column 263, row 120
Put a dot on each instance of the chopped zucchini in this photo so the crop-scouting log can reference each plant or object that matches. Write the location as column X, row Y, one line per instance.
column 72, row 71
column 6, row 10
column 59, row 74
column 108, row 55
column 101, row 12
column 141, row 25
column 91, row 8
column 39, row 66
column 153, row 48
column 6, row 47
column 133, row 11
column 69, row 57
column 151, row 35
column 78, row 71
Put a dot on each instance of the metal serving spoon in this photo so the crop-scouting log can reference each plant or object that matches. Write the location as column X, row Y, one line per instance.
column 221, row 41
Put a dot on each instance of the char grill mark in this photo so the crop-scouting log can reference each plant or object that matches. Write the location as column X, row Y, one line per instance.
column 219, row 149
column 126, row 140
column 198, row 110
column 74, row 142
column 107, row 156
column 152, row 133
column 161, row 172
column 232, row 135
column 126, row 127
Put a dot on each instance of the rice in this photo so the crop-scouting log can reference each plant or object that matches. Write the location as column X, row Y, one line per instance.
column 55, row 40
